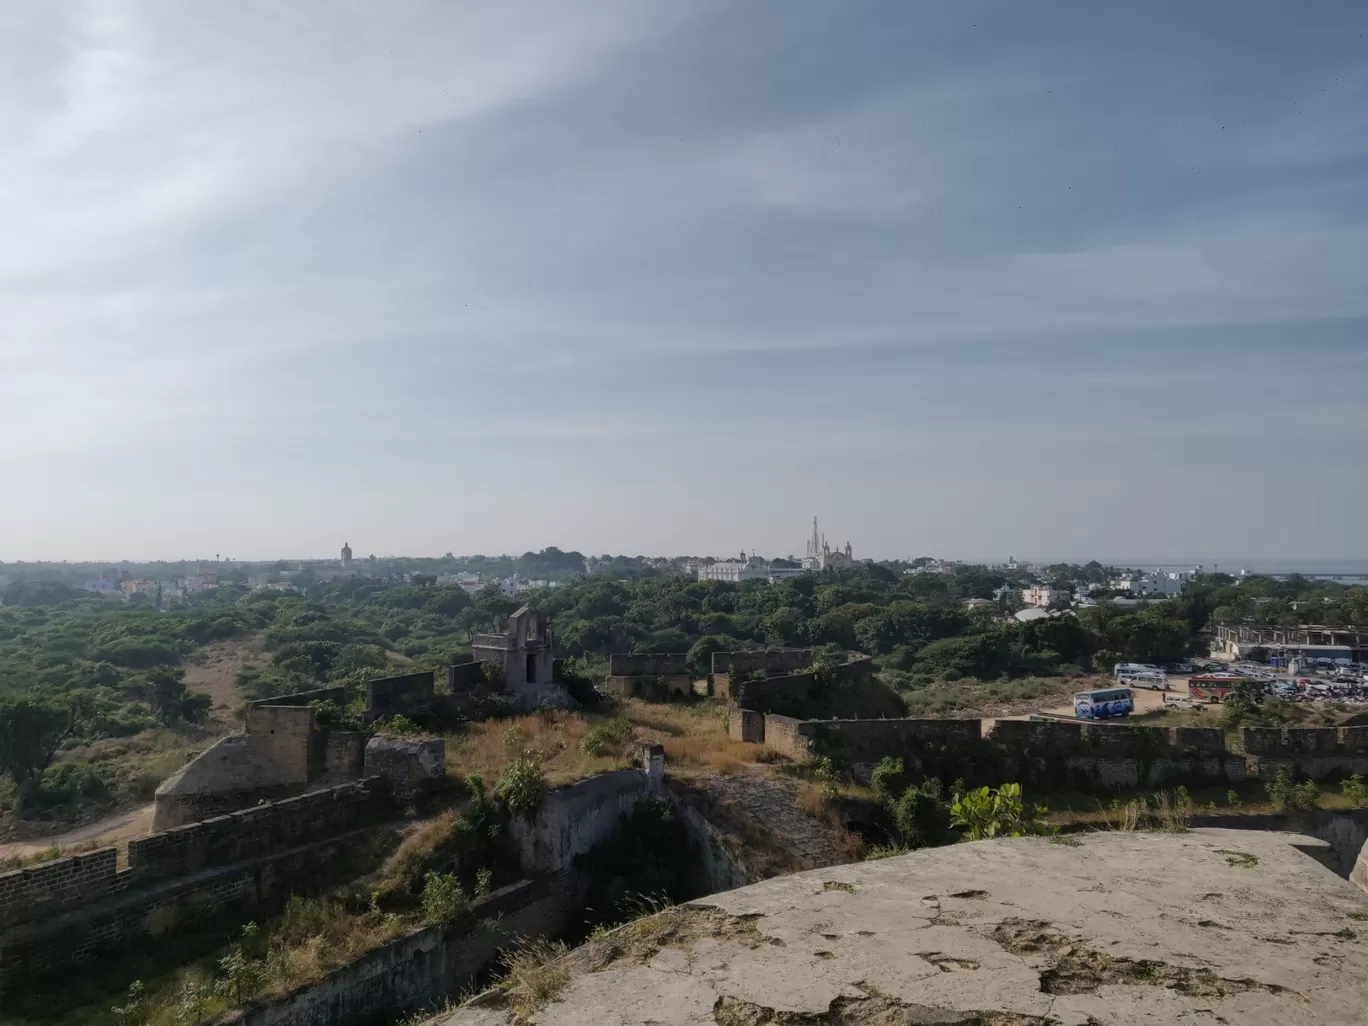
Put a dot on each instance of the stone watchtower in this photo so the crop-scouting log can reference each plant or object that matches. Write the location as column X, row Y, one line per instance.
column 523, row 650
column 346, row 556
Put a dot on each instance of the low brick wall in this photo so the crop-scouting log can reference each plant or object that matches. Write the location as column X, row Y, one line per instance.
column 652, row 686
column 344, row 753
column 745, row 725
column 784, row 734
column 391, row 696
column 260, row 831
column 463, row 678
column 421, row 969
column 572, row 819
column 731, row 669
column 43, row 890
column 1315, row 752
column 338, row 696
column 139, row 912
column 621, row 664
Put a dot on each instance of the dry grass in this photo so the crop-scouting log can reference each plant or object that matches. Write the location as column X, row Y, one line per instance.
column 417, row 853
column 812, row 801
column 694, row 736
column 488, row 748
column 535, row 974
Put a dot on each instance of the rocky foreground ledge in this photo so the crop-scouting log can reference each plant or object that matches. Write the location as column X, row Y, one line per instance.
column 1218, row 927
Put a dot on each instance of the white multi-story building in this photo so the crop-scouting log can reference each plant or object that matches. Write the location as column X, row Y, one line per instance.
column 204, row 579
column 1043, row 596
column 735, row 570
column 1156, row 583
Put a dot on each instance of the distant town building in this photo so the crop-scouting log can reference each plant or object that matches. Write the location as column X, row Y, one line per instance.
column 202, row 580
column 469, row 583
column 139, row 586
column 107, row 584
column 346, row 556
column 735, row 570
column 1043, row 596
column 820, row 555
column 1156, row 584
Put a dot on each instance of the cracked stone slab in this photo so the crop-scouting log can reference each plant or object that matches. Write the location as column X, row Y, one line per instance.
column 1008, row 932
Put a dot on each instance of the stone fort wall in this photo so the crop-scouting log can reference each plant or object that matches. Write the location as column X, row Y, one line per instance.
column 730, row 669
column 654, row 675
column 62, row 911
column 1038, row 751
column 388, row 696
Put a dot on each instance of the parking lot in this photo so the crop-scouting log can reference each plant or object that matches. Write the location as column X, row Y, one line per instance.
column 1344, row 685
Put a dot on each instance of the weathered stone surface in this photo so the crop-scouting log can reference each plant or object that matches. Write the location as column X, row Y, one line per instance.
column 1359, row 874
column 769, row 804
column 408, row 765
column 1209, row 927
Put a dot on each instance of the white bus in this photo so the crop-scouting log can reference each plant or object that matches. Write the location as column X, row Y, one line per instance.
column 1141, row 675
column 1099, row 705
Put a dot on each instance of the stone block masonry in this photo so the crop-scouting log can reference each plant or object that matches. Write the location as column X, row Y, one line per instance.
column 283, row 734
column 344, row 753
column 573, row 819
column 337, row 696
column 623, row 665
column 1041, row 752
column 464, row 678
column 1314, row 752
column 653, row 676
column 745, row 725
column 391, row 696
column 41, row 891
column 138, row 912
column 261, row 831
column 730, row 669
column 410, row 766
column 419, row 969
column 785, row 735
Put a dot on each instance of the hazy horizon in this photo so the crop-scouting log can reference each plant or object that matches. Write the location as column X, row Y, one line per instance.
column 1049, row 278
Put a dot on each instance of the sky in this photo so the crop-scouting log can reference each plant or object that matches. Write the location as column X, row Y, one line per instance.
column 1057, row 280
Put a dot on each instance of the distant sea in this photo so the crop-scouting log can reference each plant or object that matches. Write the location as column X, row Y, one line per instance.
column 1347, row 570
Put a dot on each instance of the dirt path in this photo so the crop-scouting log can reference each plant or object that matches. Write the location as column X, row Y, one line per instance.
column 121, row 826
column 213, row 671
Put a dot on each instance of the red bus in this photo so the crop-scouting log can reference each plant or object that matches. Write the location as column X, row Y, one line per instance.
column 1210, row 687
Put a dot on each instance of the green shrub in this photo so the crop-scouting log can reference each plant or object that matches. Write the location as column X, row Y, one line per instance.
column 443, row 900
column 328, row 715
column 1002, row 813
column 824, row 772
column 1354, row 790
column 397, row 726
column 607, row 738
column 923, row 815
column 1292, row 797
column 889, row 780
column 579, row 682
column 523, row 785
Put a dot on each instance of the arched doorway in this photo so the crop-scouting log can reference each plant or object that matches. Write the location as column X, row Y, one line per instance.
column 531, row 669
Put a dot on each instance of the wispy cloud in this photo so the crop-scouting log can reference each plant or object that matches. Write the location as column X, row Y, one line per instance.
column 521, row 245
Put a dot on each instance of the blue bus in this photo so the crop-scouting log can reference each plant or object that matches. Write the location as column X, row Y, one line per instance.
column 1101, row 705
